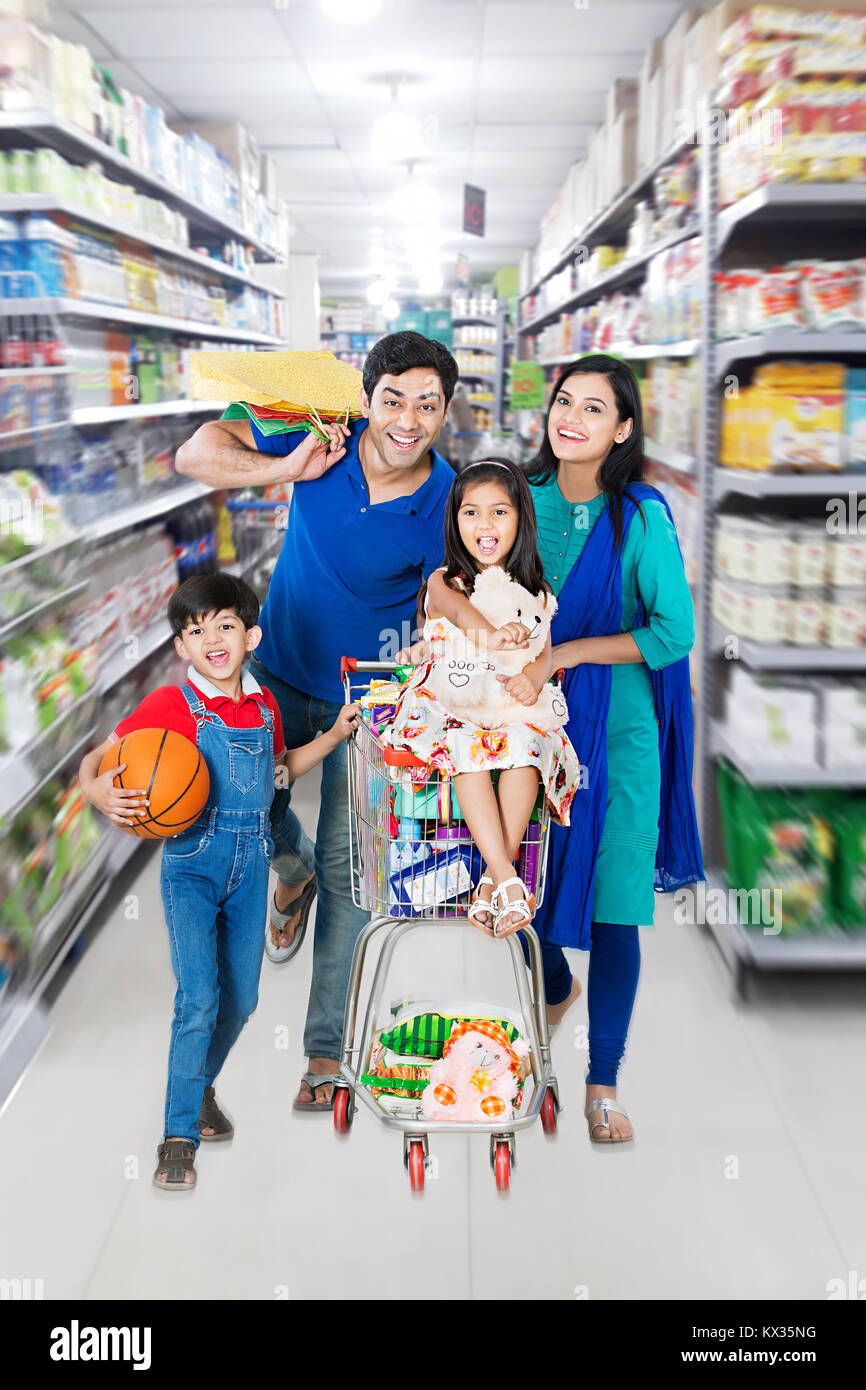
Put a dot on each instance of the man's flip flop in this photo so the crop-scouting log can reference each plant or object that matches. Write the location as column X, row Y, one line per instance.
column 280, row 954
column 315, row 1079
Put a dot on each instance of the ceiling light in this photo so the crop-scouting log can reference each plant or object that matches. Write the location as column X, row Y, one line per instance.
column 390, row 309
column 396, row 135
column 377, row 293
column 351, row 11
column 430, row 279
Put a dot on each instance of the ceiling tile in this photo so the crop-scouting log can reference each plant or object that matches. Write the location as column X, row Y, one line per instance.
column 403, row 28
column 186, row 79
column 588, row 72
column 549, row 107
column 220, row 32
column 565, row 136
column 557, row 26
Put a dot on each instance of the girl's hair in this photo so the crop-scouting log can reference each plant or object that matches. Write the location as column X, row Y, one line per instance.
column 524, row 561
column 624, row 463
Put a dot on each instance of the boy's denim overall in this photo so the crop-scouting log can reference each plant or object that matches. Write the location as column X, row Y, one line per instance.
column 214, row 882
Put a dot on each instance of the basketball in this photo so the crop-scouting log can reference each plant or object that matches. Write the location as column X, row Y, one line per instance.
column 173, row 773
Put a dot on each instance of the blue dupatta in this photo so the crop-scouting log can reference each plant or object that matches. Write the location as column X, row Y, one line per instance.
column 590, row 605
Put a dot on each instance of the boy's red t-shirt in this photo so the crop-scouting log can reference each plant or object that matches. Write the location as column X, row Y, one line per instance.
column 166, row 708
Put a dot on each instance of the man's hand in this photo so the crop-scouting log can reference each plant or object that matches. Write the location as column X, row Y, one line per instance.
column 520, row 688
column 119, row 804
column 508, row 638
column 314, row 456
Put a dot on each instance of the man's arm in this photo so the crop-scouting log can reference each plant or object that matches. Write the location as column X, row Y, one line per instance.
column 223, row 454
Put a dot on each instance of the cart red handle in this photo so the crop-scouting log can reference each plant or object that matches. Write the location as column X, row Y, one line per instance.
column 397, row 757
column 347, row 664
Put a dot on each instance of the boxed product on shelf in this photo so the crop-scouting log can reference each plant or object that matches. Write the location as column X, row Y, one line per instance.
column 772, row 721
column 844, row 724
column 792, row 418
column 671, row 394
column 779, row 840
column 678, row 85
column 25, row 78
column 42, row 676
column 849, row 878
column 649, row 104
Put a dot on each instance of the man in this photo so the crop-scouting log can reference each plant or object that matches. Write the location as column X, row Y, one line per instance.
column 363, row 531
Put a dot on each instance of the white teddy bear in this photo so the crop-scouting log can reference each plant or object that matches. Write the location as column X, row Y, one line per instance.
column 464, row 679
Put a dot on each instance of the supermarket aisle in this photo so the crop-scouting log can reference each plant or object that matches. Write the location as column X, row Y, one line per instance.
column 287, row 1210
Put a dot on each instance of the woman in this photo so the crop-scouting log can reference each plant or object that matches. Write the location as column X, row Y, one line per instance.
column 622, row 634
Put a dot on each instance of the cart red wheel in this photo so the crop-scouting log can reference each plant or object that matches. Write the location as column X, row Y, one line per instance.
column 416, row 1166
column 548, row 1112
column 344, row 1110
column 502, row 1166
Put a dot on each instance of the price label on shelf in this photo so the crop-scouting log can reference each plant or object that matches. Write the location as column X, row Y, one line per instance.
column 527, row 386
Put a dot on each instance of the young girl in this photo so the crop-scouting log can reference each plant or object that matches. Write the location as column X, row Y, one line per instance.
column 490, row 520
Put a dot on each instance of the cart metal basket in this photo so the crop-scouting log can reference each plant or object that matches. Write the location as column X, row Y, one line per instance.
column 405, row 879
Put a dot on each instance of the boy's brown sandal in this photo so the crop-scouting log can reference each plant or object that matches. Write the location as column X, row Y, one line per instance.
column 175, row 1158
column 211, row 1117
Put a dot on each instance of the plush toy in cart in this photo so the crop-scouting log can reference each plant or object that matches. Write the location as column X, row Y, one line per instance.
column 478, row 1076
column 466, row 684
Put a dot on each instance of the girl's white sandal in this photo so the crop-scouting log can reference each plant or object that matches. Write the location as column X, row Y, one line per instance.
column 524, row 906
column 480, row 904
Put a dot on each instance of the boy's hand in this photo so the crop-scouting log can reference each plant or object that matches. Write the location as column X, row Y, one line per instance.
column 414, row 655
column 509, row 637
column 520, row 688
column 117, row 803
column 346, row 722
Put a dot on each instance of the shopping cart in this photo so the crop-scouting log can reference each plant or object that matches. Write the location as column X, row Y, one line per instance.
column 432, row 887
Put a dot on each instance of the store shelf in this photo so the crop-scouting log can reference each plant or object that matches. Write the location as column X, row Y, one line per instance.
column 39, row 610
column 639, row 352
column 611, row 216
column 34, row 371
column 19, row 782
column 751, row 483
column 143, row 511
column 792, row 204
column 109, row 414
column 671, row 458
column 44, row 128
column 39, row 553
column 618, row 275
column 784, row 656
column 47, row 202
column 6, row 435
column 476, row 319
column 120, row 665
column 480, row 376
column 787, row 343
column 783, row 774
column 752, row 947
column 116, row 313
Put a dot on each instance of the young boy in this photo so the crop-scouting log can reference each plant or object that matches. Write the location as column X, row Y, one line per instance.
column 214, row 876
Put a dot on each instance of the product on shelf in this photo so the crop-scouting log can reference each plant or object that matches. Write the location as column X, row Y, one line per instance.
column 42, row 676
column 30, row 516
column 671, row 395
column 796, row 417
column 781, row 843
column 44, row 850
column 475, row 304
column 804, row 296
column 470, row 362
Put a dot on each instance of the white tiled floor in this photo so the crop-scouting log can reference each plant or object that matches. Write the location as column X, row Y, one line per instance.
column 287, row 1210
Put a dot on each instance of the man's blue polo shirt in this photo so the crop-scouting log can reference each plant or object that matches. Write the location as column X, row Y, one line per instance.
column 348, row 573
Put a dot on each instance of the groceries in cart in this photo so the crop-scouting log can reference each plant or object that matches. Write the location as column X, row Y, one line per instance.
column 451, row 1063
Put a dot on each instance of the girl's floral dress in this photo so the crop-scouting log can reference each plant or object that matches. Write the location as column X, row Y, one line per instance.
column 450, row 746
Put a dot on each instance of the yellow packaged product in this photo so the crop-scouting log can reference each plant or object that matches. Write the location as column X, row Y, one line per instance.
column 798, row 432
column 801, row 376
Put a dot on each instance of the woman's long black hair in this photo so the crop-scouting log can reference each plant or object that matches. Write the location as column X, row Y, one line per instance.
column 523, row 562
column 624, row 463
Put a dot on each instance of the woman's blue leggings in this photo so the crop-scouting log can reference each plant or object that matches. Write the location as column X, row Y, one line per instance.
column 614, row 967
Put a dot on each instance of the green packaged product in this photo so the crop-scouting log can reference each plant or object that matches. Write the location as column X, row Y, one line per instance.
column 782, row 841
column 850, row 866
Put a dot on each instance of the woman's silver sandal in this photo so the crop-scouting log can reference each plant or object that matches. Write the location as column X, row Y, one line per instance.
column 607, row 1104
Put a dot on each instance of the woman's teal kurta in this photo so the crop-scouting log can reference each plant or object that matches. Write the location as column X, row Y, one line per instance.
column 652, row 571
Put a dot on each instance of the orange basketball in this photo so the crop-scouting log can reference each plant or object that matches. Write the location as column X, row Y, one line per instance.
column 173, row 773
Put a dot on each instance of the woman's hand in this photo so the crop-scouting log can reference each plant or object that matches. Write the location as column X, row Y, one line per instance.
column 566, row 655
column 508, row 638
column 314, row 456
column 520, row 688
column 119, row 804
